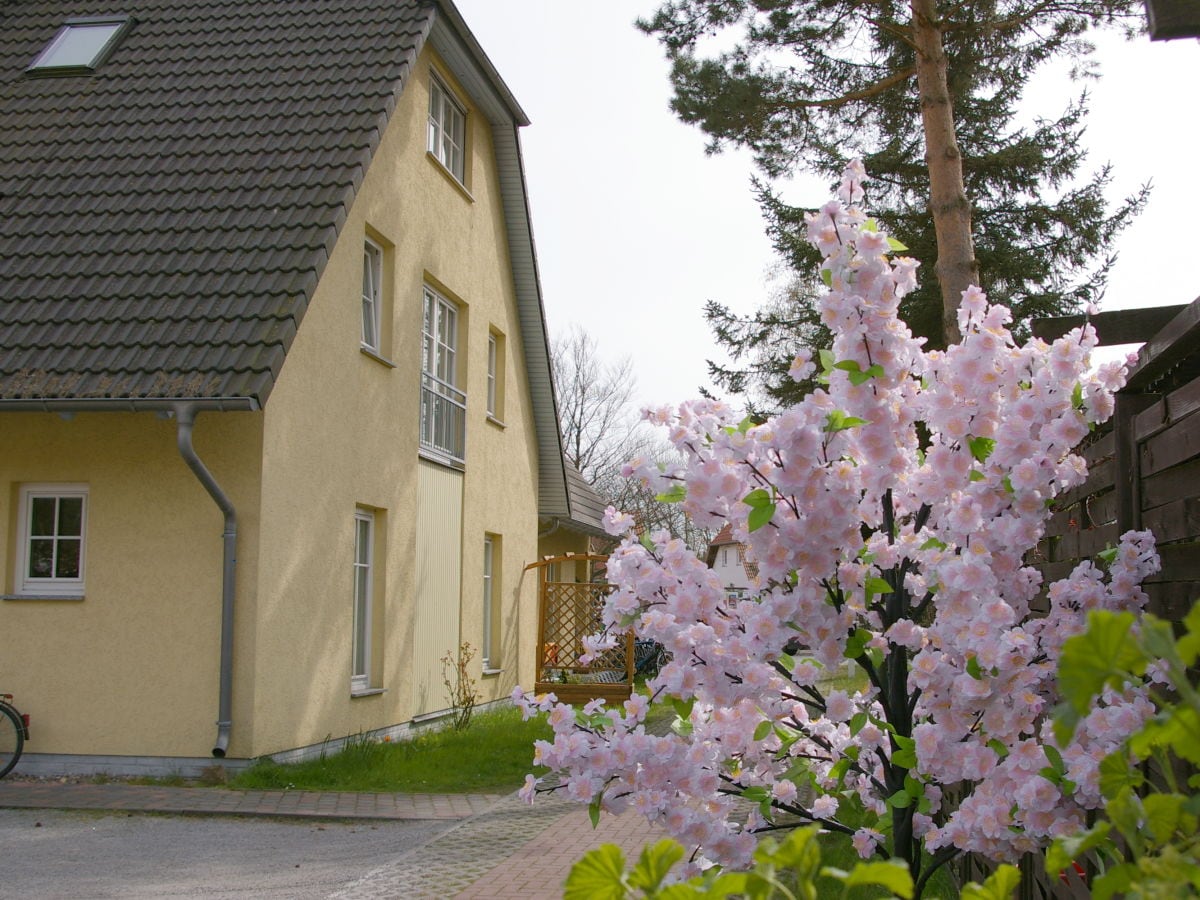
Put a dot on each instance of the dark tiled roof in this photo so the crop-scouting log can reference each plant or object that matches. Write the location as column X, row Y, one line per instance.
column 163, row 222
column 587, row 507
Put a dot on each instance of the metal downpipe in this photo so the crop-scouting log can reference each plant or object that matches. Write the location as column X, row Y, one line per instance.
column 185, row 419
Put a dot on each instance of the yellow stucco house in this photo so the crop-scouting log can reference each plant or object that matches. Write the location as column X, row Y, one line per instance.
column 277, row 425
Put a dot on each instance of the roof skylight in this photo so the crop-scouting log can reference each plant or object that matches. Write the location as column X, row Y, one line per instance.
column 80, row 46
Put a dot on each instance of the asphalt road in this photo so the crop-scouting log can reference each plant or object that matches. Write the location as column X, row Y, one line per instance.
column 89, row 856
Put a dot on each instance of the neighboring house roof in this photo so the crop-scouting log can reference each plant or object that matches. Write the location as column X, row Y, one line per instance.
column 725, row 538
column 165, row 220
column 587, row 507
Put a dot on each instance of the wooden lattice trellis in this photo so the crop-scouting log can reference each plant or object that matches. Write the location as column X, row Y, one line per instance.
column 568, row 611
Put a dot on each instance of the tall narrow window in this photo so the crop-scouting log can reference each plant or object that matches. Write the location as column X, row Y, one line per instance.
column 372, row 295
column 443, row 405
column 53, row 520
column 491, row 376
column 364, row 546
column 489, row 603
column 447, row 129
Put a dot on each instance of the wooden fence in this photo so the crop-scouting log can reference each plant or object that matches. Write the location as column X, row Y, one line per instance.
column 1143, row 472
column 1144, row 466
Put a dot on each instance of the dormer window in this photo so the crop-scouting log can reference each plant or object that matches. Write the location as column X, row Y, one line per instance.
column 80, row 46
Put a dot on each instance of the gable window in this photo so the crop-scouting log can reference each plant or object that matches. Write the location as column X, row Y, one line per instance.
column 364, row 564
column 447, row 129
column 80, row 46
column 443, row 405
column 52, row 525
column 372, row 295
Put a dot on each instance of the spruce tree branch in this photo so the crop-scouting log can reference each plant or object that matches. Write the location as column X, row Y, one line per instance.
column 867, row 93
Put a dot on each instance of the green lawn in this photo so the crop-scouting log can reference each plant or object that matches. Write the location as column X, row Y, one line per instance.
column 493, row 755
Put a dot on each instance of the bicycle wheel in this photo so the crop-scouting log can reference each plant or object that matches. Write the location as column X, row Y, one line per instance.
column 12, row 738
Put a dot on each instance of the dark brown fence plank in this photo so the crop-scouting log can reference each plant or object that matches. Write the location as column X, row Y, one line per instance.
column 1178, row 521
column 1175, row 406
column 1168, row 448
column 1180, row 562
column 1172, row 599
column 1169, row 486
column 1101, row 477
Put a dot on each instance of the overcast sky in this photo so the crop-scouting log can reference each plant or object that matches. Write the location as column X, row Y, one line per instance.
column 636, row 227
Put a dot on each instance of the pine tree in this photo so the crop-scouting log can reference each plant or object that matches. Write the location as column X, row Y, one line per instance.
column 926, row 93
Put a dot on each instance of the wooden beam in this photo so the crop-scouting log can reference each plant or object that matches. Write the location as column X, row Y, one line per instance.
column 1119, row 326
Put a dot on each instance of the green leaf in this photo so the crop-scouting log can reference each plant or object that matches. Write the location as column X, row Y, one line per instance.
column 857, row 721
column 893, row 875
column 999, row 748
column 757, row 497
column 896, row 245
column 837, row 421
column 828, row 361
column 645, row 541
column 677, row 493
column 856, row 643
column 1054, row 757
column 1189, row 645
column 857, row 378
column 973, row 668
column 827, row 278
column 655, row 864
column 764, row 728
column 975, row 475
column 870, row 225
column 1077, row 396
column 1066, row 850
column 981, row 447
column 1107, row 555
column 1116, row 772
column 933, row 544
column 1163, row 814
column 877, row 586
column 1102, row 654
column 594, row 811
column 798, row 852
column 598, row 876
column 847, row 365
column 760, row 516
column 1000, row 885
column 1117, row 880
column 905, row 759
column 902, row 799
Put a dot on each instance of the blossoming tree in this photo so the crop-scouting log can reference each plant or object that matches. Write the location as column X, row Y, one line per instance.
column 889, row 513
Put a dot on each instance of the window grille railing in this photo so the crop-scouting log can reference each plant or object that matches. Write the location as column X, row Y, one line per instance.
column 443, row 418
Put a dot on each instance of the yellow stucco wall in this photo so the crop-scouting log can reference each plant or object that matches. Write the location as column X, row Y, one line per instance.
column 133, row 666
column 341, row 431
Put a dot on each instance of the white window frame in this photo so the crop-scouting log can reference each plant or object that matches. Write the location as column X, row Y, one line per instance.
column 364, row 590
column 447, row 129
column 372, row 296
column 62, row 55
column 443, row 406
column 34, row 586
column 493, row 352
column 489, row 601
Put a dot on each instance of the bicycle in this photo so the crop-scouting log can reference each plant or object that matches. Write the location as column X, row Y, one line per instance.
column 14, row 732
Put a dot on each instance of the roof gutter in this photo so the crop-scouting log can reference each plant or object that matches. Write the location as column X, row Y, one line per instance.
column 109, row 404
column 185, row 419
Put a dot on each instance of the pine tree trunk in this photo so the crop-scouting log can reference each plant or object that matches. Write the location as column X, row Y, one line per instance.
column 956, row 267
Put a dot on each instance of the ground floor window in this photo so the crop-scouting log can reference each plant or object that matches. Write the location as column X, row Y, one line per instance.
column 52, row 528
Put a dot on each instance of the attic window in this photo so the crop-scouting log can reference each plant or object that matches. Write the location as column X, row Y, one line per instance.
column 80, row 46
